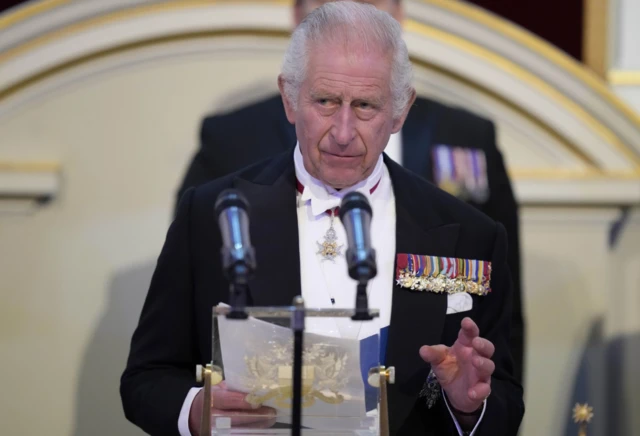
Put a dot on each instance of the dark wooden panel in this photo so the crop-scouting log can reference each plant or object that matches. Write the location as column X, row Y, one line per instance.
column 557, row 21
column 6, row 4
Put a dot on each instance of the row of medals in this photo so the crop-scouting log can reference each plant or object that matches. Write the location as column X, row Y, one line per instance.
column 329, row 249
column 440, row 284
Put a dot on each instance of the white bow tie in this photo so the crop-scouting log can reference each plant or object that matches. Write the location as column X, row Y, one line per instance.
column 323, row 201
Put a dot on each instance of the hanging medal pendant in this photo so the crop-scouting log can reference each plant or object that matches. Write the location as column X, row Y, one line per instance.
column 329, row 249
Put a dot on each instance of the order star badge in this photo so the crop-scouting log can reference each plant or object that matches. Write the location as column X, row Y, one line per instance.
column 582, row 415
column 329, row 248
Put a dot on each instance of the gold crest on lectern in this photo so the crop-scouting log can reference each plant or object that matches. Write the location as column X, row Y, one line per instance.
column 271, row 376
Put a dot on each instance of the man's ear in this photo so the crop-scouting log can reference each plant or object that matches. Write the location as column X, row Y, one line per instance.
column 399, row 122
column 288, row 106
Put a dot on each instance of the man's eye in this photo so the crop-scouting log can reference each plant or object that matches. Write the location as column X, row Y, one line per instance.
column 364, row 105
column 324, row 101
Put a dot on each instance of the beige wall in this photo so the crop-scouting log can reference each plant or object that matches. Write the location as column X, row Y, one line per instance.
column 74, row 273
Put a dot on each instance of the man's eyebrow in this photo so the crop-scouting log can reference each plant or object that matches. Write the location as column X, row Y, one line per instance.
column 320, row 94
column 374, row 100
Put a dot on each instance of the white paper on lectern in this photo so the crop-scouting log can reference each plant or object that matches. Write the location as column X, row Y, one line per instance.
column 243, row 340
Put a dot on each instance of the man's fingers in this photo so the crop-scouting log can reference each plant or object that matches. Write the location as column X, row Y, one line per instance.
column 230, row 400
column 434, row 354
column 484, row 367
column 258, row 418
column 483, row 347
column 480, row 391
column 468, row 332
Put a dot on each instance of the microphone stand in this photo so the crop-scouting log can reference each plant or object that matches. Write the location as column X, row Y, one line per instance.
column 362, row 303
column 363, row 273
column 238, row 291
column 297, row 325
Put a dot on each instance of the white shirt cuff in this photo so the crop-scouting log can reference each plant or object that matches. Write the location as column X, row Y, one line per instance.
column 183, row 419
column 455, row 421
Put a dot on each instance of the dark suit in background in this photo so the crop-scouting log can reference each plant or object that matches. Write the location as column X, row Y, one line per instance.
column 174, row 333
column 235, row 140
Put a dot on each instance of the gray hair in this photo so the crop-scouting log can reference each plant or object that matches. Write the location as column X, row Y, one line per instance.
column 344, row 22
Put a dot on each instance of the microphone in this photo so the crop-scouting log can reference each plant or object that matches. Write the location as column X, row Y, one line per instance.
column 355, row 214
column 238, row 256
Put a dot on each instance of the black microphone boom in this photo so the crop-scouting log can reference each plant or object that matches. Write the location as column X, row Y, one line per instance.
column 238, row 256
column 355, row 214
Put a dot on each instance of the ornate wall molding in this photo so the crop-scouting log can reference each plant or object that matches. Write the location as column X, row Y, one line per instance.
column 584, row 140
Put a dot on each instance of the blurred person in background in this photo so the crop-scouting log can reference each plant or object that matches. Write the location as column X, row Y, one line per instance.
column 451, row 147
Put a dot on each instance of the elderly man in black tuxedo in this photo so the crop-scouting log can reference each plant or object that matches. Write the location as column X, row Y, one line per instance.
column 451, row 147
column 443, row 284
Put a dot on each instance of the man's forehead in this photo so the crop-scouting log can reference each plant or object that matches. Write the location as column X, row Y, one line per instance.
column 377, row 3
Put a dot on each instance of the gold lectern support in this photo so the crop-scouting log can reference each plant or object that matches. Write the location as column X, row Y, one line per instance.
column 387, row 376
column 203, row 374
column 379, row 378
column 210, row 376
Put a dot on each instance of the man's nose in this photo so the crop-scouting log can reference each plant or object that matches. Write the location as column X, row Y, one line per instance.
column 344, row 126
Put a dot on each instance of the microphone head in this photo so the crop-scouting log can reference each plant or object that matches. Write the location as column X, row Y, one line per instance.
column 238, row 257
column 231, row 198
column 354, row 200
column 356, row 214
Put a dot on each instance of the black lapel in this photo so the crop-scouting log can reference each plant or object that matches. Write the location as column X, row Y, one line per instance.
column 417, row 318
column 417, row 137
column 274, row 233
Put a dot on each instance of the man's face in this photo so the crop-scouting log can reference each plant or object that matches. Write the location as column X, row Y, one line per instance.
column 344, row 114
column 393, row 7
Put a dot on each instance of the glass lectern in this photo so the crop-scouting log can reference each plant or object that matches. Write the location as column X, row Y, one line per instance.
column 342, row 384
